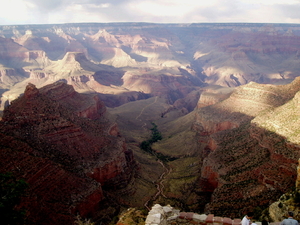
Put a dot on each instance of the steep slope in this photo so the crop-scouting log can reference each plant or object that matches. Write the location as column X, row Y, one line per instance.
column 284, row 120
column 63, row 144
column 241, row 152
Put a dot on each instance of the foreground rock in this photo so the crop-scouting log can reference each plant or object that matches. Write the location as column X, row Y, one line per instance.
column 164, row 215
column 70, row 153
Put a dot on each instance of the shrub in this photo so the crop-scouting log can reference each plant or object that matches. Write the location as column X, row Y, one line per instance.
column 11, row 191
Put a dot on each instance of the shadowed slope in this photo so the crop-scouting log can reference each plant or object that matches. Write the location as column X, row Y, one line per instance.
column 63, row 144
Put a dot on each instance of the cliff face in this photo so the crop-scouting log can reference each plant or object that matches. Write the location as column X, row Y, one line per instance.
column 246, row 161
column 169, row 60
column 64, row 146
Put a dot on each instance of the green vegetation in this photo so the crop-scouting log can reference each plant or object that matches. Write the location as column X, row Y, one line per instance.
column 11, row 191
column 156, row 136
column 146, row 145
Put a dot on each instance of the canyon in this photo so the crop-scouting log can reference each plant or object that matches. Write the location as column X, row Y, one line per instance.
column 79, row 99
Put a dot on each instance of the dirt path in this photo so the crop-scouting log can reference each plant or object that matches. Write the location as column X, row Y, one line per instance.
column 146, row 107
column 159, row 185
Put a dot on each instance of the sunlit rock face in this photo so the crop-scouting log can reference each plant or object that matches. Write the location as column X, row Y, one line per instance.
column 247, row 136
column 156, row 59
column 62, row 143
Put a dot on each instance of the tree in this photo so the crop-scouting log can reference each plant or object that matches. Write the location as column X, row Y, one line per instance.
column 11, row 191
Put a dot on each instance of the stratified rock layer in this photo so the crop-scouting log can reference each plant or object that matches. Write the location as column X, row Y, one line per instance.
column 247, row 162
column 64, row 146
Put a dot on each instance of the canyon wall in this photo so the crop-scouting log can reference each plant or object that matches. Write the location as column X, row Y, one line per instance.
column 63, row 144
column 251, row 147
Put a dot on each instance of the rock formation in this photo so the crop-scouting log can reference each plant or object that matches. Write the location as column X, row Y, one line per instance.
column 246, row 136
column 63, row 144
column 158, row 59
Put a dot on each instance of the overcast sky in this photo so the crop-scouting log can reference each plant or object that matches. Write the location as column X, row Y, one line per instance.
column 158, row 11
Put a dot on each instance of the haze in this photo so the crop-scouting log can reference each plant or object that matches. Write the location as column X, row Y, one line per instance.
column 158, row 11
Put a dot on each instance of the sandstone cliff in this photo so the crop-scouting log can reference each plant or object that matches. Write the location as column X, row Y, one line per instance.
column 63, row 144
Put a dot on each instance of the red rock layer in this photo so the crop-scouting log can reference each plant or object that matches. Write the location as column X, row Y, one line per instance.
column 63, row 145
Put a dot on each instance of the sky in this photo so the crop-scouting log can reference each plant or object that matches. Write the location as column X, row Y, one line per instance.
column 156, row 11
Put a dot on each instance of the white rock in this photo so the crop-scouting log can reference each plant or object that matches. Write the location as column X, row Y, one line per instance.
column 153, row 219
column 201, row 217
column 157, row 209
column 168, row 210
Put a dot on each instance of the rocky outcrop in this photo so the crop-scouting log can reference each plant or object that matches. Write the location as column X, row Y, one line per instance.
column 164, row 215
column 69, row 152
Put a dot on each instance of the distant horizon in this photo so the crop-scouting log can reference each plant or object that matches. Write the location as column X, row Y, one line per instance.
column 26, row 12
column 159, row 23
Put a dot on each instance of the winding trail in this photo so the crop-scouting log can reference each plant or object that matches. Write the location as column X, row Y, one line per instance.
column 146, row 107
column 159, row 185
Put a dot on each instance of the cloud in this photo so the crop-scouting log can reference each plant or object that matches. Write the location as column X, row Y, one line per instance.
column 226, row 11
column 9, row 16
column 289, row 11
column 47, row 5
column 270, row 2
column 160, row 11
column 50, row 5
column 190, row 11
